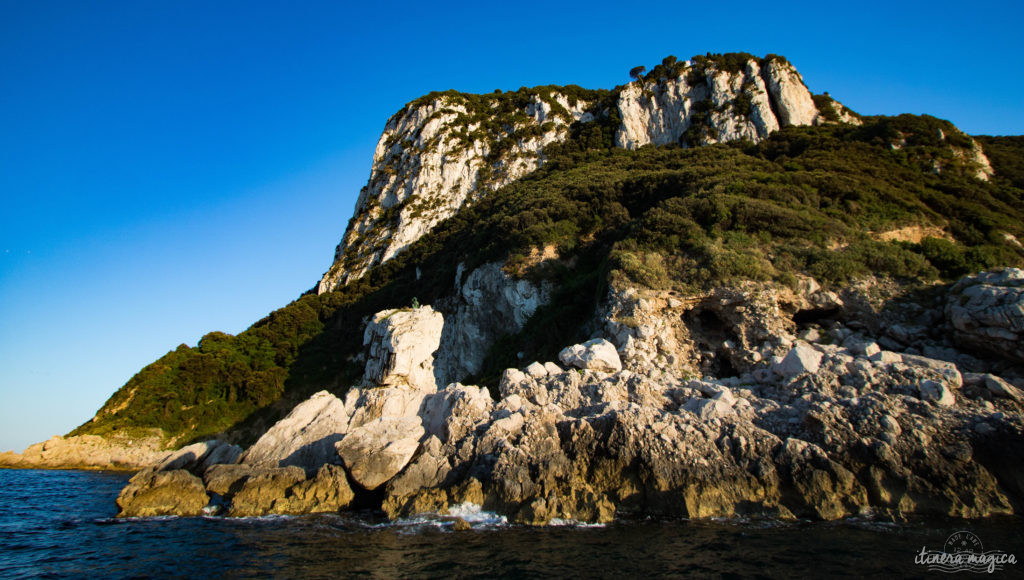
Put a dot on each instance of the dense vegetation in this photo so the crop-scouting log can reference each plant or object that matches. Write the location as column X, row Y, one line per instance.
column 808, row 199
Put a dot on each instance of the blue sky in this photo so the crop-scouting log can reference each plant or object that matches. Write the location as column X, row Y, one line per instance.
column 172, row 168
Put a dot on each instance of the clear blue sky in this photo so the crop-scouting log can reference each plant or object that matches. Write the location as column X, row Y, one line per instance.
column 171, row 168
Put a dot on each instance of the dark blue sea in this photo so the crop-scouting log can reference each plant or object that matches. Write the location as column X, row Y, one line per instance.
column 61, row 524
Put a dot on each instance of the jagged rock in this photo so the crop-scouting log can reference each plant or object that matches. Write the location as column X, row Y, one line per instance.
column 428, row 470
column 305, row 437
column 986, row 312
column 197, row 457
column 401, row 345
column 159, row 493
column 799, row 360
column 662, row 112
column 265, row 491
column 597, row 354
column 329, row 491
column 423, row 172
column 450, row 414
column 949, row 372
column 486, row 306
column 378, row 450
column 226, row 480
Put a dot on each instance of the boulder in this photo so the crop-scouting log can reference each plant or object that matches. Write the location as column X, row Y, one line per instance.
column 199, row 456
column 708, row 409
column 265, row 491
column 159, row 493
column 799, row 360
column 329, row 491
column 226, row 480
column 986, row 312
column 597, row 354
column 937, row 393
column 401, row 345
column 305, row 438
column 377, row 451
column 452, row 413
column 536, row 370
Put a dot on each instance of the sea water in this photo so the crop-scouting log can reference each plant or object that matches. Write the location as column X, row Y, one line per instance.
column 62, row 524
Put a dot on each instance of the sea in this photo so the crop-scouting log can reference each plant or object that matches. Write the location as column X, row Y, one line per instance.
column 61, row 524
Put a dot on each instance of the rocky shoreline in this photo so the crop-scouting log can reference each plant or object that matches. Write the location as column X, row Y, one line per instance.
column 826, row 405
column 88, row 452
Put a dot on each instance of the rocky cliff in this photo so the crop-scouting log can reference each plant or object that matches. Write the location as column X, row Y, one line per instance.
column 446, row 150
column 822, row 424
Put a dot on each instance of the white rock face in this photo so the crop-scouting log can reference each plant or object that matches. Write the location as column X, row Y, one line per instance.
column 199, row 456
column 441, row 152
column 305, row 438
column 430, row 162
column 377, row 451
column 450, row 414
column 661, row 113
column 401, row 348
column 486, row 306
column 597, row 354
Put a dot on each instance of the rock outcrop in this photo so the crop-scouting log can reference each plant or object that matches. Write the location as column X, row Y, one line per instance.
column 439, row 153
column 825, row 425
column 305, row 438
column 488, row 304
column 89, row 452
column 153, row 492
column 986, row 312
column 702, row 103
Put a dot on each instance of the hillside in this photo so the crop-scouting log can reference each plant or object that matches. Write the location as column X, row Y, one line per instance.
column 823, row 201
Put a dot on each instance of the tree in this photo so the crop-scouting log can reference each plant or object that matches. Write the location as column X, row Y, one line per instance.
column 637, row 72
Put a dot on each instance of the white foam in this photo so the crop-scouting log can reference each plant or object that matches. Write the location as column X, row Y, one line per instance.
column 475, row 514
column 559, row 522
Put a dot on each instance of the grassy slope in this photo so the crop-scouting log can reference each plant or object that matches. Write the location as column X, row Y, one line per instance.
column 805, row 200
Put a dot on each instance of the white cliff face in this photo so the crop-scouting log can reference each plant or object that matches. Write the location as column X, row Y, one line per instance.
column 487, row 305
column 705, row 105
column 448, row 150
column 401, row 347
column 438, row 155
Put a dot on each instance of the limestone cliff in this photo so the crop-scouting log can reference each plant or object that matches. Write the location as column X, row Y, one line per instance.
column 446, row 150
column 439, row 153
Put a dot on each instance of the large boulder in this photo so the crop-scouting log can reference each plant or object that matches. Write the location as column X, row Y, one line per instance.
column 377, row 451
column 159, row 493
column 265, row 491
column 799, row 360
column 200, row 456
column 401, row 346
column 450, row 414
column 986, row 312
column 305, row 438
column 597, row 354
